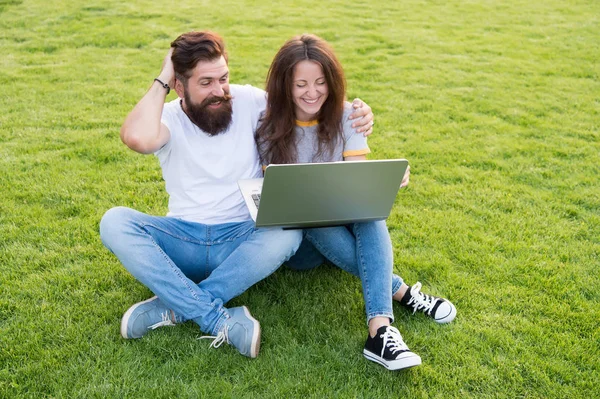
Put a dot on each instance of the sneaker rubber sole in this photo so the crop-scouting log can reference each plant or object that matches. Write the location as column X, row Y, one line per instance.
column 127, row 316
column 449, row 314
column 255, row 346
column 406, row 360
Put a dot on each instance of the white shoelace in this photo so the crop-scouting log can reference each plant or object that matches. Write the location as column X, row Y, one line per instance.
column 218, row 340
column 166, row 321
column 420, row 301
column 393, row 340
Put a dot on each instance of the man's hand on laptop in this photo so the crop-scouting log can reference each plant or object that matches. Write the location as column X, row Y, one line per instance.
column 364, row 115
column 406, row 178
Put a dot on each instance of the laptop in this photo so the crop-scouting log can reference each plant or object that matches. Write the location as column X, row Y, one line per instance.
column 323, row 194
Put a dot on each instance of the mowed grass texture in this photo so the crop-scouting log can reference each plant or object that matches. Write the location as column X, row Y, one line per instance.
column 496, row 106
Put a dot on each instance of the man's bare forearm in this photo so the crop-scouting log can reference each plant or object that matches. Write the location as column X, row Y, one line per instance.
column 142, row 130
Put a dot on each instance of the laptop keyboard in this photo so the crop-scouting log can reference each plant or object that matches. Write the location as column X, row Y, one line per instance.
column 256, row 199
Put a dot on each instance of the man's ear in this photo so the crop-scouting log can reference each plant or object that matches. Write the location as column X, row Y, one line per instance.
column 179, row 89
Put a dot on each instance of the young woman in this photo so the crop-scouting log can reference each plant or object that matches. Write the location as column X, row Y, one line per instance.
column 307, row 121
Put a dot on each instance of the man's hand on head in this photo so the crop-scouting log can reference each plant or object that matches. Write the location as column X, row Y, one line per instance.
column 167, row 73
column 142, row 130
column 364, row 117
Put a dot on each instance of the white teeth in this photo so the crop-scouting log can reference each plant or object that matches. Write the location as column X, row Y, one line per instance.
column 311, row 101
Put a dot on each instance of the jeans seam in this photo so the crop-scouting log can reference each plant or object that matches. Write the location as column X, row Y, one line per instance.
column 207, row 269
column 172, row 265
column 178, row 273
column 360, row 260
column 380, row 314
column 394, row 289
column 145, row 225
column 219, row 324
column 208, row 266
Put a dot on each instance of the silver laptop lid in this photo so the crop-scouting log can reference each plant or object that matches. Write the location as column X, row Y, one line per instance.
column 329, row 194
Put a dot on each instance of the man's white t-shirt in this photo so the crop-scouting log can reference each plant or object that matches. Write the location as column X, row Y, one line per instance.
column 201, row 171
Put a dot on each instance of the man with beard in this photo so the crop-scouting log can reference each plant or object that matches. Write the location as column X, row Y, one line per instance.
column 207, row 250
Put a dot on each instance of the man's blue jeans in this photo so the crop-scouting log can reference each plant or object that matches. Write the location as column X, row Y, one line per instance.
column 363, row 249
column 194, row 268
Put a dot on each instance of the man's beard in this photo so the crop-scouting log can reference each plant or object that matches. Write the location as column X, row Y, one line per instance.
column 211, row 121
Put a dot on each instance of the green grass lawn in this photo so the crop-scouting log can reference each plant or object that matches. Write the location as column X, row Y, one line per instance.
column 495, row 103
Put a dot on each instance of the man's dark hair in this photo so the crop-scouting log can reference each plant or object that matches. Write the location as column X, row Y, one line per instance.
column 193, row 47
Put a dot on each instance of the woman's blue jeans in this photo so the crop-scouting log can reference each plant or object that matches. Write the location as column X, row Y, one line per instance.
column 363, row 249
column 195, row 268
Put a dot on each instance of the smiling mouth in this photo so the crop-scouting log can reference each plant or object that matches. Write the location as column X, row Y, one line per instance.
column 311, row 101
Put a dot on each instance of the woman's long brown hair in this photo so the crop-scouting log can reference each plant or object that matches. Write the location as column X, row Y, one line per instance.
column 276, row 135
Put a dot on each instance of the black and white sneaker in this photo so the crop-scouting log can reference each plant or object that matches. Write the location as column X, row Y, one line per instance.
column 388, row 349
column 439, row 309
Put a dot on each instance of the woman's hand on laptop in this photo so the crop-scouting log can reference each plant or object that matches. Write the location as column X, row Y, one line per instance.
column 406, row 177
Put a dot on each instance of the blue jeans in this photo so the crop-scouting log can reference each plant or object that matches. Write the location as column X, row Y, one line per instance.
column 363, row 249
column 195, row 268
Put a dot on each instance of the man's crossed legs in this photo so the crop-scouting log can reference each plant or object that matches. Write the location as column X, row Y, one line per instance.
column 194, row 269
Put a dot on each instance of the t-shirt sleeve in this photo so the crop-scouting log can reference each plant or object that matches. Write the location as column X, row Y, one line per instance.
column 354, row 143
column 259, row 98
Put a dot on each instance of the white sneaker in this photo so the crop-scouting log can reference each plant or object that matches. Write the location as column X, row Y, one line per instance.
column 388, row 349
column 439, row 309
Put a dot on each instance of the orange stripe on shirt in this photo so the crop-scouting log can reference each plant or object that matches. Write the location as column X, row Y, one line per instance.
column 354, row 153
column 307, row 123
